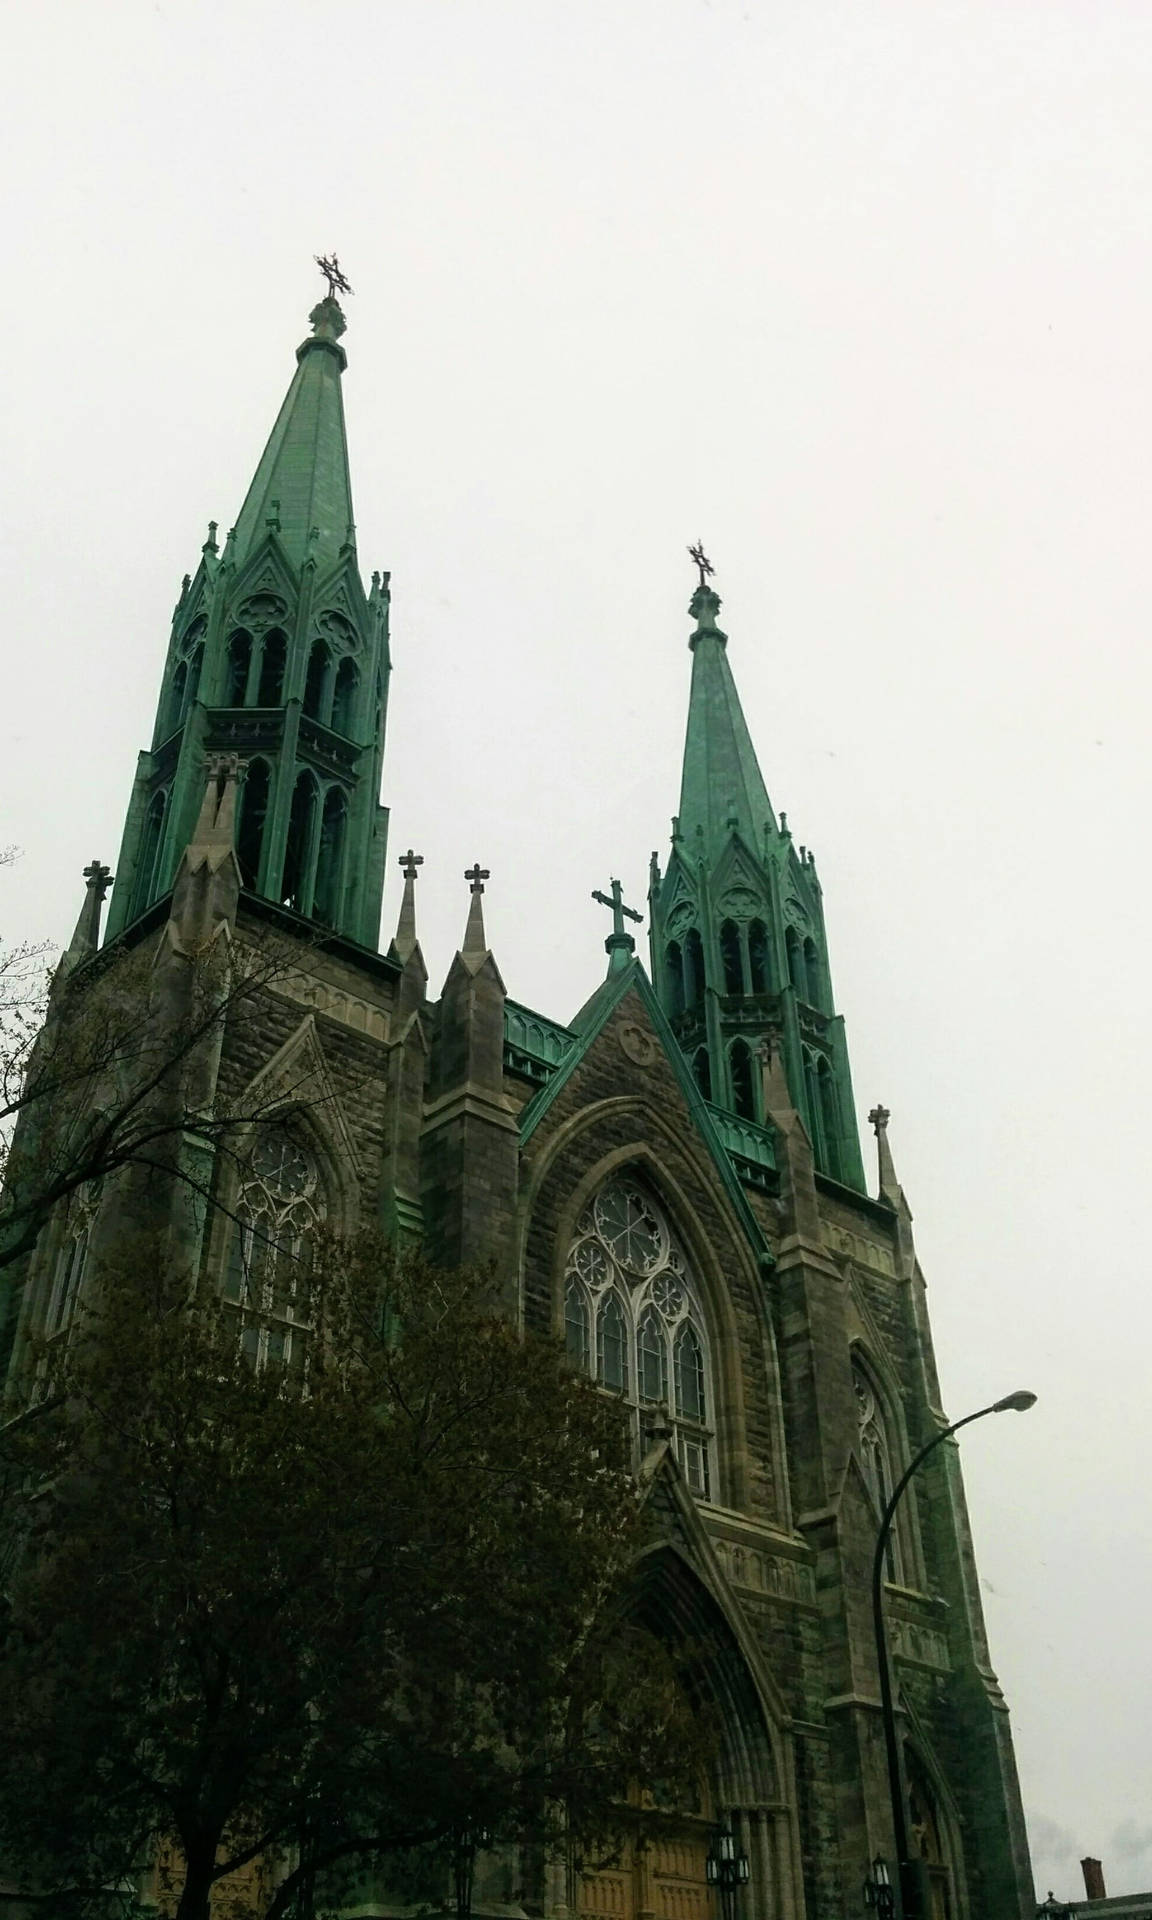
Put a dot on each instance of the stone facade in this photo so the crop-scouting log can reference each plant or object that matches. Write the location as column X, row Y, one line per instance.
column 497, row 1132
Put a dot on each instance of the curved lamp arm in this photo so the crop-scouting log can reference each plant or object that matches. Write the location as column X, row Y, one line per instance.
column 1012, row 1403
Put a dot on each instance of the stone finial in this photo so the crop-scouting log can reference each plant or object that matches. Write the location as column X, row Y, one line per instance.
column 272, row 517
column 704, row 605
column 328, row 321
column 86, row 938
column 207, row 884
column 210, row 545
column 405, row 941
column 889, row 1185
column 474, row 940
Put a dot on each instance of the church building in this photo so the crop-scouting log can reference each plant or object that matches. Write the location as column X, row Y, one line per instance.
column 669, row 1179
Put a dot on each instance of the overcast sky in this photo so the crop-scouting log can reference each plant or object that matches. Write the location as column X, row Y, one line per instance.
column 860, row 294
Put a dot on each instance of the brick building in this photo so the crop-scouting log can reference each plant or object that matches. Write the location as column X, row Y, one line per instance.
column 671, row 1181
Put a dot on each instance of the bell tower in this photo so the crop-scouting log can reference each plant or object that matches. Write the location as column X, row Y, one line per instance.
column 739, row 952
column 278, row 655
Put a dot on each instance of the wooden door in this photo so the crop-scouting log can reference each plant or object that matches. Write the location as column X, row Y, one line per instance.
column 659, row 1875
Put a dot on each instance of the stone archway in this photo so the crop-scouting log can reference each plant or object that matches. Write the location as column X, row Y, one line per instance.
column 659, row 1873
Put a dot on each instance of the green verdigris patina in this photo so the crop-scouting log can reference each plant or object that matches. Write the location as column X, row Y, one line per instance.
column 278, row 654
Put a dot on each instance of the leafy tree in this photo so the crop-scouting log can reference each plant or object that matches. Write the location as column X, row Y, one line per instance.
column 104, row 1069
column 249, row 1624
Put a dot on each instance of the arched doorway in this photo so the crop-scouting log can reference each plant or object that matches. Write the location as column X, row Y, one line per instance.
column 928, row 1841
column 659, row 1870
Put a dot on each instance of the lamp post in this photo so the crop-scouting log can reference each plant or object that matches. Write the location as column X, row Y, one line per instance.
column 907, row 1875
column 726, row 1869
column 878, row 1889
column 467, row 1842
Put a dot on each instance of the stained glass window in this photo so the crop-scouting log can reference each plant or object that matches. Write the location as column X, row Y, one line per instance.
column 628, row 1278
column 278, row 1208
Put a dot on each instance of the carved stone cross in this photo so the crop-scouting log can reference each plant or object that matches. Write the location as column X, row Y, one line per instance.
column 619, row 911
column 476, row 876
column 99, row 878
column 879, row 1118
column 409, row 862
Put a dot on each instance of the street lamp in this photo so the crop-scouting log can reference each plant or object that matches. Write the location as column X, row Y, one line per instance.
column 878, row 1889
column 726, row 1868
column 468, row 1841
column 909, row 1880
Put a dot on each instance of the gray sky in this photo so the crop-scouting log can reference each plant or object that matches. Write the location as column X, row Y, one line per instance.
column 862, row 296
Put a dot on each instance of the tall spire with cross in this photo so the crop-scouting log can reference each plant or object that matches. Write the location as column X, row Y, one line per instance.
column 278, row 653
column 737, row 920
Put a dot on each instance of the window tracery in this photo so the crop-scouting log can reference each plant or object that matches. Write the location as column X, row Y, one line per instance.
column 71, row 1261
column 278, row 1208
column 633, row 1320
column 876, row 1458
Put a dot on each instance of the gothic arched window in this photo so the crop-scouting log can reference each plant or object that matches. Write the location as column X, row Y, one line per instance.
column 330, row 859
column 812, row 974
column 926, row 1835
column 316, row 685
column 277, row 1210
column 576, row 1324
column 271, row 670
column 177, row 697
column 876, row 1458
column 68, row 1274
column 253, row 813
column 148, row 863
column 627, row 1276
column 195, row 667
column 239, row 661
column 674, row 972
column 730, row 957
column 797, row 972
column 829, row 1117
column 344, row 699
column 758, row 956
column 702, row 1071
column 743, row 1088
column 298, row 853
column 693, row 969
column 612, row 1345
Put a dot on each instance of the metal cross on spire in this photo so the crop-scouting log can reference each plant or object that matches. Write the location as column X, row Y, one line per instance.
column 329, row 266
column 702, row 561
column 620, row 912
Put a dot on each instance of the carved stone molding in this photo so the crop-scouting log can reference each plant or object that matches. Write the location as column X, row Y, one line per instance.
column 920, row 1646
column 769, row 1573
column 347, row 1008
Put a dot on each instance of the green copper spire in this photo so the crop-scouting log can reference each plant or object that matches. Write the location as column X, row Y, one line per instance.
column 302, row 489
column 279, row 658
column 721, row 783
column 739, row 953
